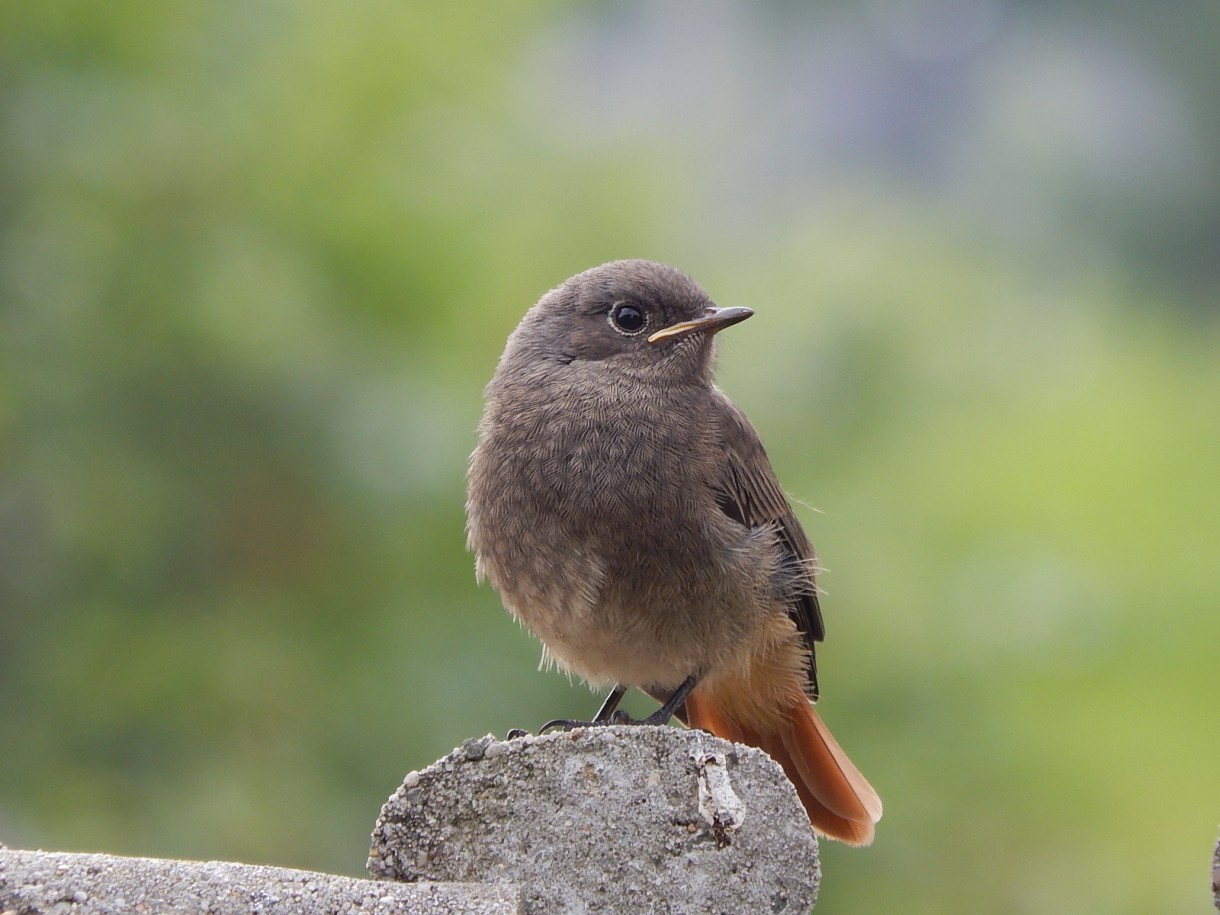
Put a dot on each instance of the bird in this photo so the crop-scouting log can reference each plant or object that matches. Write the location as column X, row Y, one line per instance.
column 626, row 512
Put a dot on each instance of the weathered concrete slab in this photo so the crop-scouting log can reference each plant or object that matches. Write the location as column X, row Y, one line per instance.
column 607, row 820
column 36, row 882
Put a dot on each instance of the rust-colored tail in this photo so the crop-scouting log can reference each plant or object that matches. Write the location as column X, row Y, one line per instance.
column 839, row 800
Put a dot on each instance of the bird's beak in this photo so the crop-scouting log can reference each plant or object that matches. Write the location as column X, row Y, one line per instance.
column 714, row 319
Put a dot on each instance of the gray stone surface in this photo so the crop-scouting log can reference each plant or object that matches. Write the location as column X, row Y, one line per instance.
column 607, row 820
column 35, row 882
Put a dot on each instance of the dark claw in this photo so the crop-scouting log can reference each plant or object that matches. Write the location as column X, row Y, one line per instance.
column 656, row 719
column 517, row 734
column 659, row 717
column 565, row 724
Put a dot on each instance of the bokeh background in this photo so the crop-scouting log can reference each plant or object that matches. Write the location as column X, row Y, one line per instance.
column 257, row 260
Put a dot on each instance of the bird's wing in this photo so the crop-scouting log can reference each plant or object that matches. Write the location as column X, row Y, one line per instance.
column 748, row 492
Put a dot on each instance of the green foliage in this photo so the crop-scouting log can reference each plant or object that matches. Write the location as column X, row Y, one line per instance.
column 257, row 261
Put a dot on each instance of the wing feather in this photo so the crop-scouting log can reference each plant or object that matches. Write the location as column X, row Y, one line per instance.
column 749, row 493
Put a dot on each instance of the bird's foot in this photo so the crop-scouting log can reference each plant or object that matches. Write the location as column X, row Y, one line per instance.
column 610, row 713
column 660, row 717
column 567, row 724
column 619, row 717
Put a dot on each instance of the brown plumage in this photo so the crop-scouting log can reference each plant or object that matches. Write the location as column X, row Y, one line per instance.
column 626, row 511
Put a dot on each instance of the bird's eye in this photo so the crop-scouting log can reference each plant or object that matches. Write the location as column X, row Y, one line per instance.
column 627, row 319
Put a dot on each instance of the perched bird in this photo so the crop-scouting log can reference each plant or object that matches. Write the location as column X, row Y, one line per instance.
column 626, row 511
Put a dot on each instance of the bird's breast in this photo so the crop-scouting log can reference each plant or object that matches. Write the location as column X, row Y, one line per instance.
column 594, row 517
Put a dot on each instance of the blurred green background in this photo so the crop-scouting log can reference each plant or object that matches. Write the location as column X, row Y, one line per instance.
column 257, row 261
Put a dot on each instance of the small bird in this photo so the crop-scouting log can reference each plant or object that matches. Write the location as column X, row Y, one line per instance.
column 628, row 515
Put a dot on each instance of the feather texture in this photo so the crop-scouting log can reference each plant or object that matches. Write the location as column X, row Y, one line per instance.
column 749, row 493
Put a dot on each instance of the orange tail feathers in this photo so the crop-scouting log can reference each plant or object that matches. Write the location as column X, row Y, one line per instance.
column 839, row 800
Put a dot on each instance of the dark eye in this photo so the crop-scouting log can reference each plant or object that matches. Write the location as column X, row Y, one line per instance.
column 627, row 318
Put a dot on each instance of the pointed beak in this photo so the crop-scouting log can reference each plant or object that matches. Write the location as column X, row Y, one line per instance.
column 713, row 320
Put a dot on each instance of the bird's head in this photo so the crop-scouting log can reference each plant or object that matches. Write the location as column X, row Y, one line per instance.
column 631, row 316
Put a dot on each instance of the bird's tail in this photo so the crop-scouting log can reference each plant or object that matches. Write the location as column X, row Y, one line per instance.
column 839, row 800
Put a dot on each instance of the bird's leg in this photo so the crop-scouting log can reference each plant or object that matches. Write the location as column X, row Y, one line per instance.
column 673, row 703
column 605, row 715
column 606, row 712
column 666, row 711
